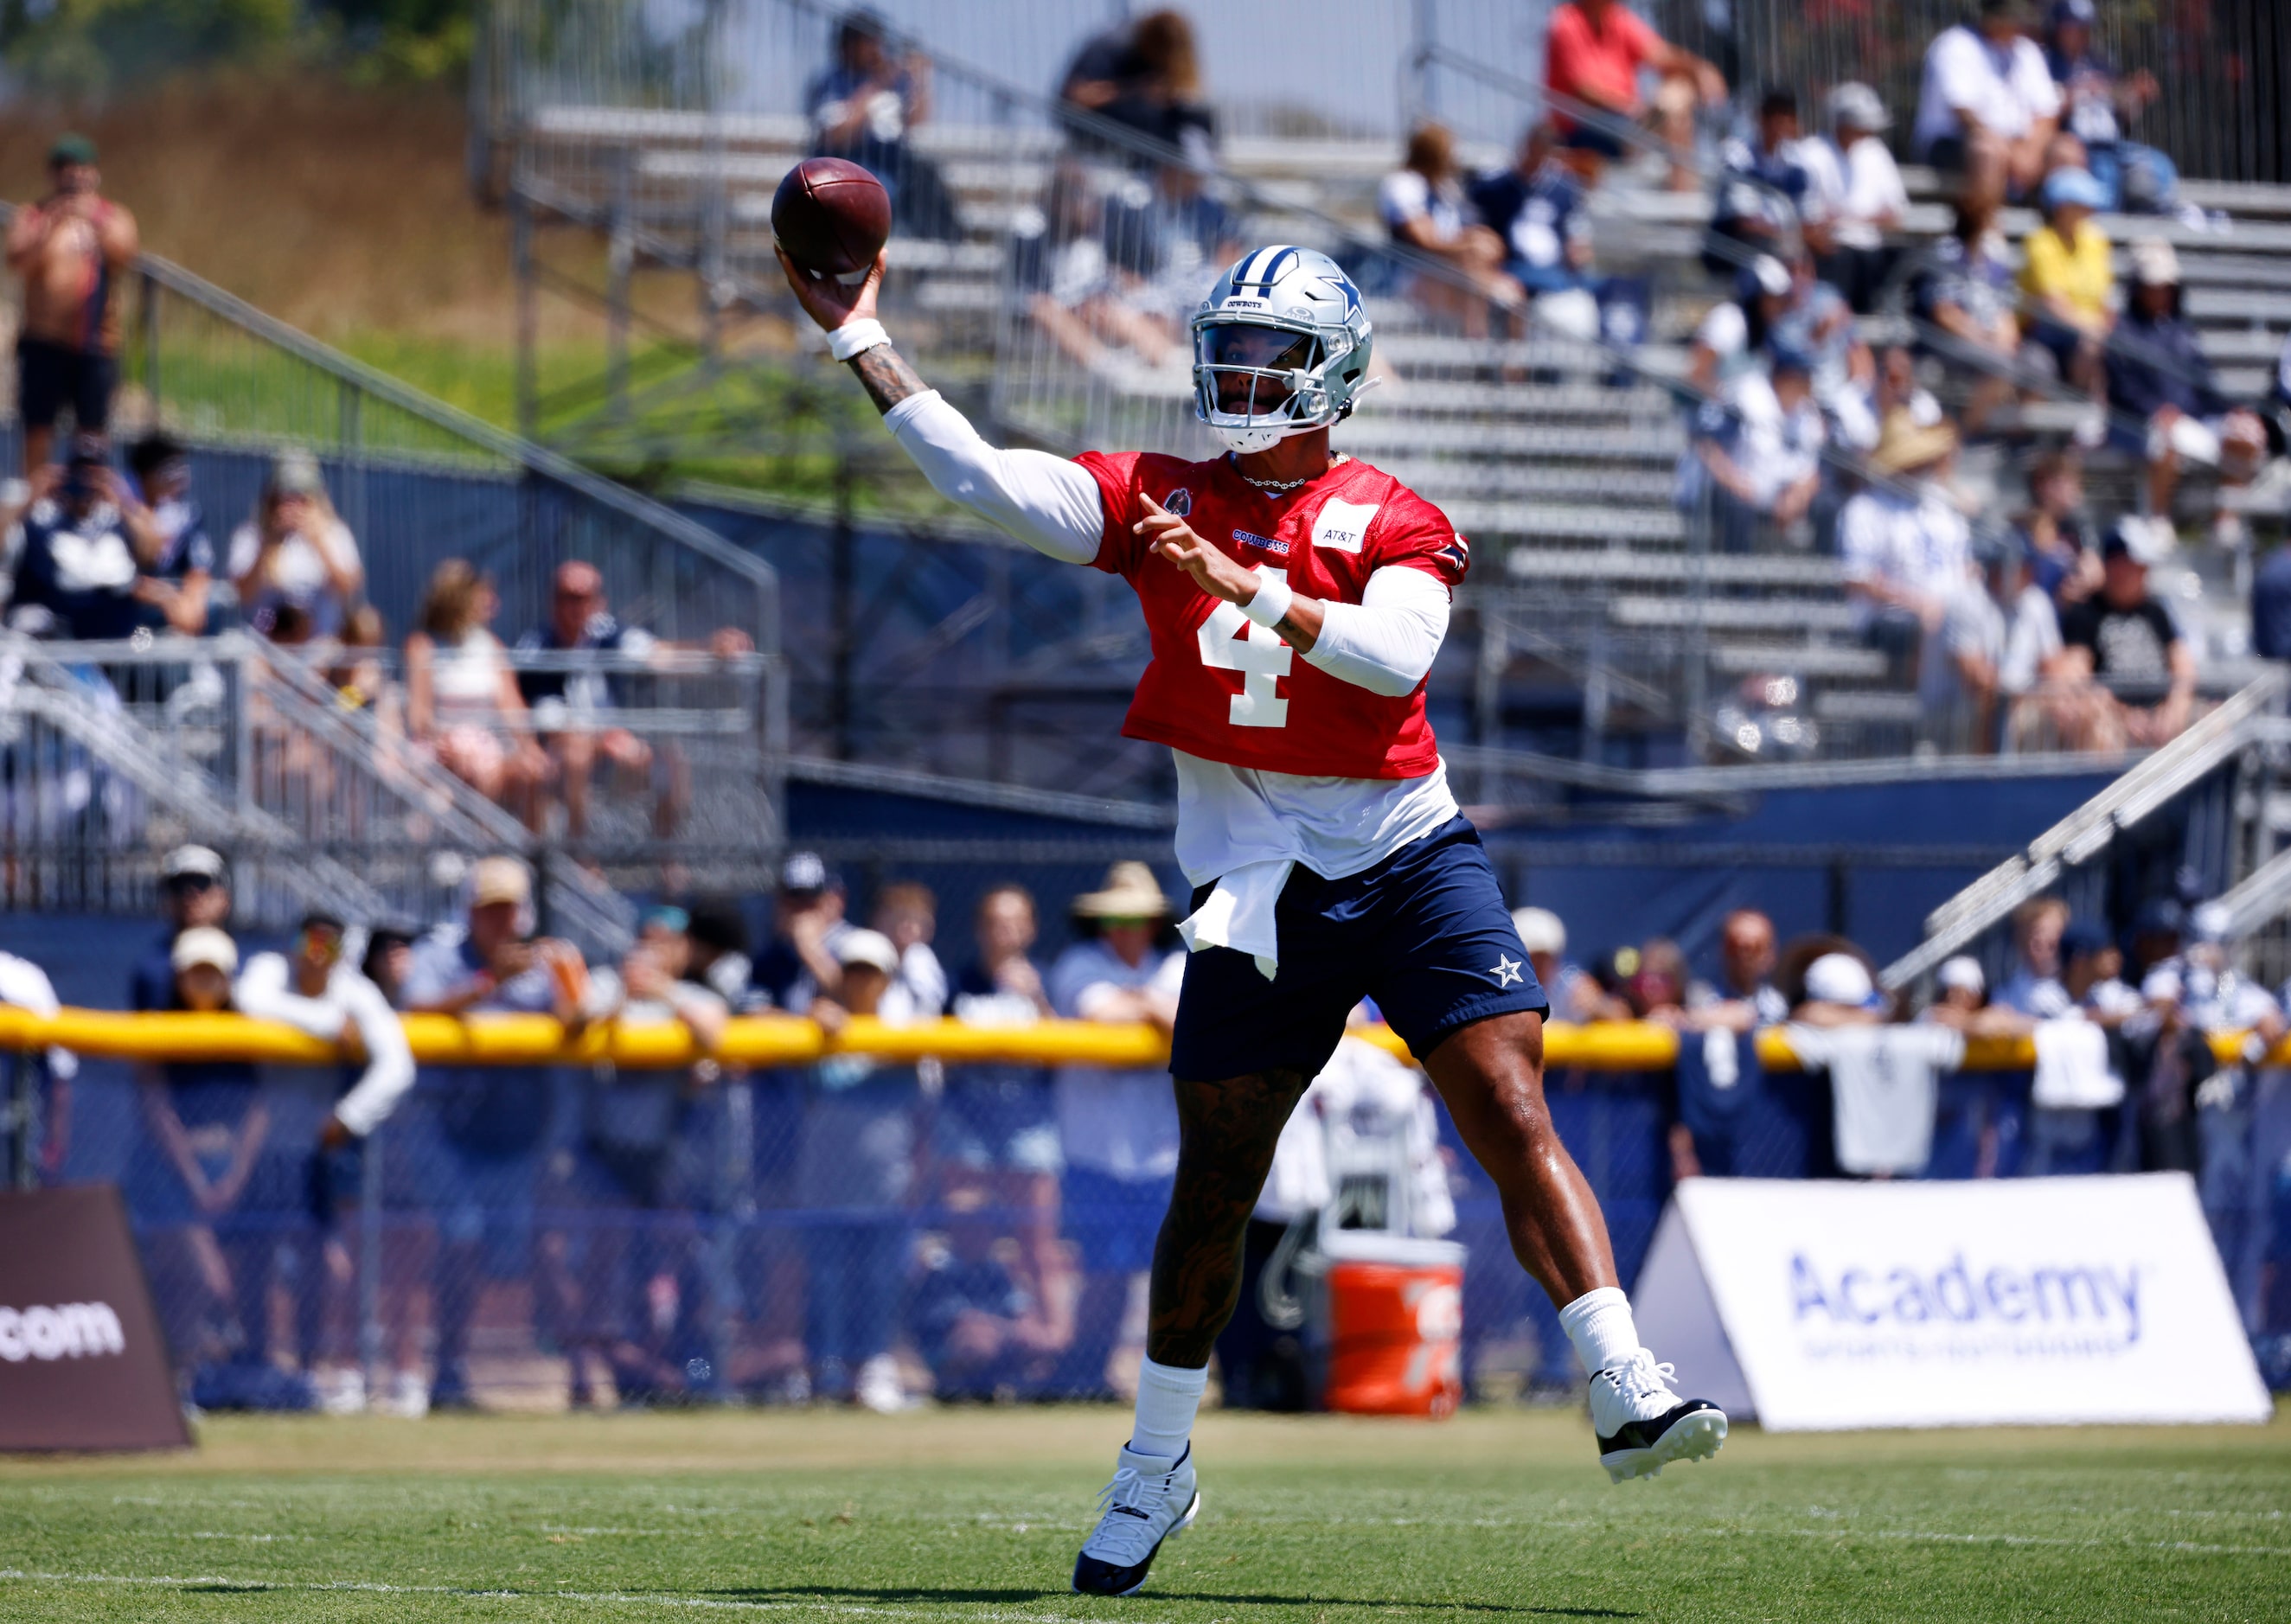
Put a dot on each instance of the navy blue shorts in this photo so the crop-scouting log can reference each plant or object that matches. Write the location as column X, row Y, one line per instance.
column 1425, row 933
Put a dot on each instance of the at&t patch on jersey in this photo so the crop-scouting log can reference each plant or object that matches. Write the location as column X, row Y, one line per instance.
column 1343, row 526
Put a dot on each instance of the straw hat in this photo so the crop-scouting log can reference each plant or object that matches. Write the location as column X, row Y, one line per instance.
column 1902, row 444
column 1131, row 892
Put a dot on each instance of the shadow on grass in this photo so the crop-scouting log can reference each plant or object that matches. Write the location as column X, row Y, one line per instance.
column 917, row 1593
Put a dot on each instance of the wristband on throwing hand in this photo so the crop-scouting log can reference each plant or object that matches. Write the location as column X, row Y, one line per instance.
column 854, row 336
column 1273, row 598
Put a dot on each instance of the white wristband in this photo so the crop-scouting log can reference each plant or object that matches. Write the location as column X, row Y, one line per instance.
column 854, row 336
column 1272, row 600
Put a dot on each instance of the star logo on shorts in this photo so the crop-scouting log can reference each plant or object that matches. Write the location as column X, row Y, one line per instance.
column 1506, row 970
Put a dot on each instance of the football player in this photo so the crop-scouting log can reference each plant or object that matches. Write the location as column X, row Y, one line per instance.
column 1294, row 597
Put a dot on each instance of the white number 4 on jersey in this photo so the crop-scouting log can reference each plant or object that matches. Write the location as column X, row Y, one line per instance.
column 1258, row 654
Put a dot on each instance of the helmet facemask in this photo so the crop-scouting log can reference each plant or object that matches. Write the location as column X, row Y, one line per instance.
column 1258, row 383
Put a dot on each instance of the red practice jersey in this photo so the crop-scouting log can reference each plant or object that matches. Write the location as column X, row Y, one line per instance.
column 1226, row 689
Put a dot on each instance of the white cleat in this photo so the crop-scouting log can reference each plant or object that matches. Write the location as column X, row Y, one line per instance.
column 1642, row 1425
column 1151, row 1499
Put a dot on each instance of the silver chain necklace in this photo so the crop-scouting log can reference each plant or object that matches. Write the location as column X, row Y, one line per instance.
column 1281, row 486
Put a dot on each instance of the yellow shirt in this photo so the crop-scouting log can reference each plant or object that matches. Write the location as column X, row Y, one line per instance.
column 2079, row 272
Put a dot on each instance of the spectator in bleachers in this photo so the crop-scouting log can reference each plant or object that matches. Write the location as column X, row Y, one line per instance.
column 1072, row 285
column 1777, row 302
column 864, row 107
column 2131, row 643
column 72, row 249
column 1988, row 107
column 1146, row 75
column 2158, row 374
column 2000, row 644
column 295, row 550
column 797, row 964
column 2062, row 542
column 1117, row 1126
column 1424, row 208
column 1167, row 238
column 1904, row 545
column 77, row 573
column 461, row 698
column 978, row 1325
column 637, row 1163
column 1967, row 286
column 857, row 1175
column 1853, row 197
column 1760, row 444
column 1000, row 1121
column 1592, row 54
column 2098, row 104
column 1891, row 386
column 485, row 1162
column 2069, row 279
column 1538, row 206
column 1762, row 186
column 170, row 531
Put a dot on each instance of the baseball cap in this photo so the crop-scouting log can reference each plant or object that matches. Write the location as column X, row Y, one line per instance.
column 1859, row 106
column 205, row 944
column 868, row 947
column 805, row 872
column 1540, row 930
column 2073, row 187
column 498, row 879
column 2134, row 536
column 1839, row 978
column 296, row 473
column 192, row 863
column 2081, row 939
column 1783, row 357
column 1962, row 971
column 2073, row 10
column 72, row 149
column 2156, row 263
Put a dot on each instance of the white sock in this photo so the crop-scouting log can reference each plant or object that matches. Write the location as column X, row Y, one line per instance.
column 1599, row 1325
column 1167, row 1398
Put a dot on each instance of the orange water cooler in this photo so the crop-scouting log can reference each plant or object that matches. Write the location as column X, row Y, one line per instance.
column 1391, row 1308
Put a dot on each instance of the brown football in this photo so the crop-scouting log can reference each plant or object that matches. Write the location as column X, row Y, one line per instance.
column 832, row 216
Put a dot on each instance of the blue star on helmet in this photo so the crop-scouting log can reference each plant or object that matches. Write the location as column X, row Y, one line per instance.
column 1507, row 970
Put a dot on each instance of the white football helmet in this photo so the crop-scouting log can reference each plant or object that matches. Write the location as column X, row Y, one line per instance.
column 1280, row 346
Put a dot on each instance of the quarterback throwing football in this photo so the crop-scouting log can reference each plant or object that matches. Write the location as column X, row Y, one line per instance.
column 1296, row 598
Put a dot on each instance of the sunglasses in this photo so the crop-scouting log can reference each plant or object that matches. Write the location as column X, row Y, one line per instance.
column 183, row 883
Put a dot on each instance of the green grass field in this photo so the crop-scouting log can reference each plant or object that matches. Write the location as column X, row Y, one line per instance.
column 974, row 1515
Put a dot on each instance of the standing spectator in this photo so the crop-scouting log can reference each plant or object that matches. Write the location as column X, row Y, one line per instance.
column 1146, row 76
column 856, row 1179
column 296, row 551
column 1762, row 190
column 1997, row 644
column 999, row 1122
column 461, row 698
column 2069, row 279
column 2130, row 642
column 907, row 915
column 493, row 1122
column 1117, row 1126
column 799, row 963
column 1905, row 547
column 1424, row 208
column 1855, row 195
column 25, row 985
column 1575, row 992
column 1988, row 108
column 78, row 573
column 2158, row 373
column 70, row 248
column 194, row 891
column 2099, row 103
column 170, row 530
column 2062, row 543
column 718, row 935
column 1747, row 997
column 865, row 106
column 1592, row 54
column 1762, row 450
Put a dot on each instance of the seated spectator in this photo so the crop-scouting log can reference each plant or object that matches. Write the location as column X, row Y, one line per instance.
column 1073, row 288
column 1762, row 188
column 1892, row 386
column 1574, row 993
column 296, row 551
column 1117, row 1126
column 1967, row 288
column 2001, row 647
column 2158, row 373
column 976, row 1322
column 1778, row 301
column 2098, row 104
column 169, row 530
column 2069, row 279
column 2130, row 642
column 1167, row 240
column 798, row 965
column 1424, row 208
column 1592, row 54
column 2061, row 540
column 461, row 698
column 1762, row 450
column 1853, row 197
column 1987, row 106
column 580, row 621
column 1146, row 76
column 77, row 570
column 1538, row 206
column 857, row 1174
column 1904, row 545
column 863, row 109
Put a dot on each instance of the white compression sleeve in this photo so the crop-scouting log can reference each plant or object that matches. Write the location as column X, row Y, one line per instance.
column 1046, row 501
column 1386, row 642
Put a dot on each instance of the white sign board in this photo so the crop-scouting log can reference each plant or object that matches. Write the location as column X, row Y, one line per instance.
column 1820, row 1305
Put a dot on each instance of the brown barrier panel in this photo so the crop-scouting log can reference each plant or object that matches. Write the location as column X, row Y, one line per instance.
column 83, row 1364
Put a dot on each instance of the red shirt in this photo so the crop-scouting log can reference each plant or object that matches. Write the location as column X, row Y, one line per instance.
column 1605, row 61
column 1221, row 687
